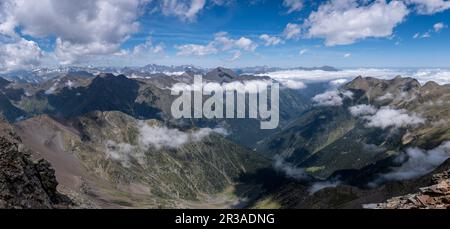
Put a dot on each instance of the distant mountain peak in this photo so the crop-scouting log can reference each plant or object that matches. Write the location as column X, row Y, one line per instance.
column 430, row 85
column 405, row 83
column 221, row 75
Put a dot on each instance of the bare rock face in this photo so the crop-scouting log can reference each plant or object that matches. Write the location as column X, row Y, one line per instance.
column 24, row 183
column 436, row 196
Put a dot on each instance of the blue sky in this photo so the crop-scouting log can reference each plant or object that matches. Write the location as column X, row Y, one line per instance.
column 209, row 33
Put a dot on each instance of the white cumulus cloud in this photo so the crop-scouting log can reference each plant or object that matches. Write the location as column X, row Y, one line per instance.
column 292, row 31
column 430, row 6
column 184, row 9
column 246, row 44
column 439, row 26
column 293, row 5
column 196, row 50
column 270, row 40
column 148, row 47
column 84, row 27
column 343, row 22
column 222, row 41
column 19, row 54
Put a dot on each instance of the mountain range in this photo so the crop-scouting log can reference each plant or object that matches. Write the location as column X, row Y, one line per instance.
column 112, row 143
column 40, row 75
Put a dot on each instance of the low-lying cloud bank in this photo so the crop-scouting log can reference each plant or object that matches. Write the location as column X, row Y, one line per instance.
column 416, row 162
column 332, row 98
column 247, row 86
column 163, row 137
column 300, row 174
column 250, row 86
column 440, row 76
column 155, row 137
column 323, row 185
column 363, row 109
column 386, row 117
column 289, row 169
column 292, row 84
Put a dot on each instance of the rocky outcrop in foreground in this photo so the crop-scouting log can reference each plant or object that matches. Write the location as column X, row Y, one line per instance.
column 436, row 196
column 24, row 183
